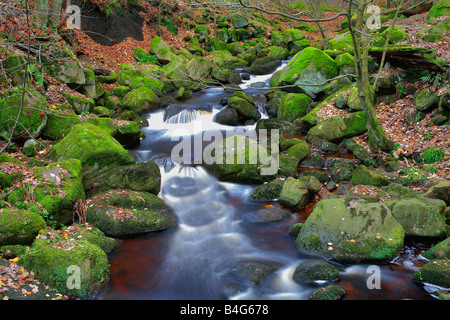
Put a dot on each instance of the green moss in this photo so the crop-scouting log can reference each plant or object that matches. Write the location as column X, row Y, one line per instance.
column 19, row 226
column 92, row 146
column 50, row 264
column 293, row 106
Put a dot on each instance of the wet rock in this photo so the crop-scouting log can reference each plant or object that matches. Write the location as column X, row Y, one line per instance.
column 267, row 215
column 315, row 270
column 331, row 292
column 365, row 176
column 254, row 272
column 268, row 191
column 436, row 272
column 19, row 226
column 294, row 194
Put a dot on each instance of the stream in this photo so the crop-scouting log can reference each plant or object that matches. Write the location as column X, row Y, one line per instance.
column 197, row 259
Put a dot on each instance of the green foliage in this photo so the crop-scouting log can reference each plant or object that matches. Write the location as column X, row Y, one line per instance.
column 433, row 154
column 148, row 59
column 168, row 23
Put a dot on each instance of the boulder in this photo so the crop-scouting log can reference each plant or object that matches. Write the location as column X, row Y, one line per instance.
column 310, row 66
column 439, row 9
column 121, row 212
column 294, row 194
column 420, row 217
column 315, row 270
column 338, row 127
column 365, row 176
column 440, row 250
column 268, row 191
column 141, row 100
column 239, row 21
column 240, row 159
column 425, row 99
column 19, row 227
column 352, row 232
column 225, row 75
column 54, row 259
column 293, row 106
column 441, row 191
column 330, row 292
column 33, row 117
column 245, row 109
column 436, row 272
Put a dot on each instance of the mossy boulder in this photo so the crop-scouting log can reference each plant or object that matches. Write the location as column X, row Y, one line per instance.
column 366, row 176
column 346, row 63
column 33, row 117
column 199, row 68
column 338, row 127
column 311, row 67
column 54, row 259
column 331, row 292
column 420, row 217
column 425, row 99
column 240, row 159
column 293, row 106
column 121, row 212
column 225, row 75
column 59, row 187
column 351, row 232
column 70, row 72
column 436, row 272
column 268, row 191
column 202, row 30
column 397, row 35
column 315, row 270
column 19, row 226
column 440, row 190
column 246, row 109
column 440, row 250
column 439, row 9
column 157, row 86
column 141, row 100
column 164, row 52
column 254, row 272
column 80, row 103
column 354, row 100
column 239, row 21
column 290, row 158
column 294, row 194
column 92, row 146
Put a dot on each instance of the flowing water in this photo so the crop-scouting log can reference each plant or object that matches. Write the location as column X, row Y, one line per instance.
column 197, row 259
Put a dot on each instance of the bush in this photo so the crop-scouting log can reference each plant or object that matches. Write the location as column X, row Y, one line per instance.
column 432, row 155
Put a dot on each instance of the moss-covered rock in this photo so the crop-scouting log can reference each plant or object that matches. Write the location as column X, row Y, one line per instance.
column 268, row 191
column 294, row 194
column 310, row 66
column 125, row 213
column 338, row 127
column 420, row 217
column 330, row 292
column 440, row 250
column 351, row 232
column 354, row 100
column 397, row 35
column 57, row 261
column 59, row 187
column 141, row 100
column 92, row 146
column 314, row 270
column 293, row 106
column 439, row 9
column 19, row 226
column 436, row 272
column 240, row 159
column 79, row 103
column 164, row 52
column 245, row 109
column 153, row 84
column 425, row 99
column 441, row 191
column 365, row 176
column 225, row 75
column 33, row 117
column 239, row 21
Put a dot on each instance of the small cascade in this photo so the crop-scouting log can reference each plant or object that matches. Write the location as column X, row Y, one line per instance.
column 185, row 116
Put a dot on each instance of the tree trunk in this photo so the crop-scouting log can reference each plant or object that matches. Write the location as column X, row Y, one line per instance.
column 377, row 138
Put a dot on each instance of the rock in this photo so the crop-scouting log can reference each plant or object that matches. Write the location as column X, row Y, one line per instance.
column 80, row 104
column 295, row 228
column 121, row 212
column 294, row 194
column 440, row 191
column 310, row 66
column 92, row 146
column 202, row 30
column 290, row 158
column 421, row 217
column 239, row 21
column 141, row 100
column 33, row 117
column 54, row 259
column 351, row 232
column 312, row 183
column 341, row 171
column 331, row 292
column 268, row 191
column 440, row 8
column 142, row 176
column 315, row 270
column 164, row 52
column 314, row 160
column 227, row 116
column 240, row 159
column 346, row 63
column 440, row 250
column 425, row 99
column 19, row 226
column 338, row 127
column 397, row 35
column 153, row 84
column 365, row 176
column 30, row 147
column 225, row 75
column 59, row 187
column 293, row 106
column 436, row 272
column 266, row 215
column 254, row 272
column 284, row 127
column 354, row 101
column 245, row 109
column 199, row 68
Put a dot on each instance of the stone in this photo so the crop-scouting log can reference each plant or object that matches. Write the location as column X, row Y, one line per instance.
column 294, row 194
column 314, row 270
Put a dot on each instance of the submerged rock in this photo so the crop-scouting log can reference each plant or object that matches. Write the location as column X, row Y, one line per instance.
column 315, row 270
column 331, row 292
